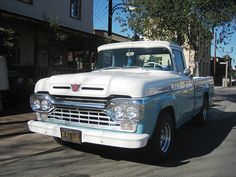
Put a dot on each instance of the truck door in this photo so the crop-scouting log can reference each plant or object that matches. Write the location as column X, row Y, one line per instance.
column 186, row 88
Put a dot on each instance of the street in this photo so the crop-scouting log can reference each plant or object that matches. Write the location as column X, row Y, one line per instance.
column 203, row 151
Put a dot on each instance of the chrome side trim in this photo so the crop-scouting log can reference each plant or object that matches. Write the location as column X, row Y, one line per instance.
column 159, row 90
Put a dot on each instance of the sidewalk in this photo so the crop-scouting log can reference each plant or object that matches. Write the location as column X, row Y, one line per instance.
column 225, row 93
column 15, row 124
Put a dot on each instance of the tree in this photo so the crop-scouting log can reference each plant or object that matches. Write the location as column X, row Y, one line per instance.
column 7, row 39
column 54, row 29
column 181, row 21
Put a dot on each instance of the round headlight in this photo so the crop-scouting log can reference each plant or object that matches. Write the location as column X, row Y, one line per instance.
column 118, row 112
column 132, row 112
column 35, row 105
column 45, row 105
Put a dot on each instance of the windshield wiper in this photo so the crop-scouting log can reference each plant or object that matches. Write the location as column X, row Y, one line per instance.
column 124, row 67
column 132, row 67
column 111, row 67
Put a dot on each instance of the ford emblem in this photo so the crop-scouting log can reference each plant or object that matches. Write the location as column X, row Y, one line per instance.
column 75, row 87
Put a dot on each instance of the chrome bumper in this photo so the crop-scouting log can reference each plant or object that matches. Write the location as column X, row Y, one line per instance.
column 94, row 136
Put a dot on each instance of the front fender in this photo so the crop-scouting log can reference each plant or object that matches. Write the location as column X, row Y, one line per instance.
column 153, row 106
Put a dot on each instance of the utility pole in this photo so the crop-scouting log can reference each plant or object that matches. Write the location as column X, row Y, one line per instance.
column 215, row 56
column 226, row 71
column 111, row 10
column 110, row 18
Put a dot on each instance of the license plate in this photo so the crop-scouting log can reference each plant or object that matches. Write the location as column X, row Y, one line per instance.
column 70, row 135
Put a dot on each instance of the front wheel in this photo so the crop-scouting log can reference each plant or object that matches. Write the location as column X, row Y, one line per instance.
column 160, row 145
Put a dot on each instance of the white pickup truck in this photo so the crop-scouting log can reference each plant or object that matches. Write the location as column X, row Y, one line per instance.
column 140, row 93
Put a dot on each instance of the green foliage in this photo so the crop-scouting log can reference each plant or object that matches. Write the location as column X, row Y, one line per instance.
column 54, row 28
column 7, row 37
column 180, row 21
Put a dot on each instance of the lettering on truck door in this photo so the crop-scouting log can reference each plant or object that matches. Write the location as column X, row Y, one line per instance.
column 186, row 96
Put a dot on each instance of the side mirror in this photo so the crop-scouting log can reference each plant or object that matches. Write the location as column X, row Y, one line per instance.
column 187, row 71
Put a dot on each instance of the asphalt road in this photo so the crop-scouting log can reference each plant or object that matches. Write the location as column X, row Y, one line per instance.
column 206, row 151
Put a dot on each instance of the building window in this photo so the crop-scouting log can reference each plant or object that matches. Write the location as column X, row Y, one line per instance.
column 57, row 54
column 75, row 9
column 27, row 1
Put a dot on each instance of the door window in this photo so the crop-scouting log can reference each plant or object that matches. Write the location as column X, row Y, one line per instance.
column 179, row 60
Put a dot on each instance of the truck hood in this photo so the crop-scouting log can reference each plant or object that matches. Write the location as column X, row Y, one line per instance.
column 134, row 82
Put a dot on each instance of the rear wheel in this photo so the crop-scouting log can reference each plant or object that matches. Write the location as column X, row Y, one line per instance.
column 160, row 145
column 202, row 115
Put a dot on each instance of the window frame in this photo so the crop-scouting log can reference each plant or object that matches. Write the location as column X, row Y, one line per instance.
column 79, row 10
column 168, row 51
column 60, row 50
column 182, row 59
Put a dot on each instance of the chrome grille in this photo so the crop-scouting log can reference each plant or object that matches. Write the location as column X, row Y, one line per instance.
column 87, row 99
column 82, row 116
column 80, row 99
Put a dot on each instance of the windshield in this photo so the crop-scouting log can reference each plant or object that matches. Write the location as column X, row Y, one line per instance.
column 150, row 58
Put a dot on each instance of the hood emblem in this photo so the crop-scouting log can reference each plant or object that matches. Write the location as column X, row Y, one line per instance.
column 75, row 87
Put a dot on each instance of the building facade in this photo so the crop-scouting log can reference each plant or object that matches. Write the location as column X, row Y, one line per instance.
column 75, row 14
column 222, row 70
column 199, row 63
column 51, row 37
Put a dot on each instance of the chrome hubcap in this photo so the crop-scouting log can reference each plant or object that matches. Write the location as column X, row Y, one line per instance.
column 165, row 137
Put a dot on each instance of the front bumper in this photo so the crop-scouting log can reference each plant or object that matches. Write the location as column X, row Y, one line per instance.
column 94, row 136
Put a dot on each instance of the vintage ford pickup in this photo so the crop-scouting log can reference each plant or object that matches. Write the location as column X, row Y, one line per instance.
column 139, row 94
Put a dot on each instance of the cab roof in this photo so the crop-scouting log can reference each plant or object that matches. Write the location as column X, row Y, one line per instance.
column 138, row 44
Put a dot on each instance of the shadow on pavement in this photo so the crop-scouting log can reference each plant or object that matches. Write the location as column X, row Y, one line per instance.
column 221, row 95
column 190, row 141
column 196, row 141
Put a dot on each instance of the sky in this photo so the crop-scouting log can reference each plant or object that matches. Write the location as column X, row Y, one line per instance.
column 228, row 49
column 100, row 18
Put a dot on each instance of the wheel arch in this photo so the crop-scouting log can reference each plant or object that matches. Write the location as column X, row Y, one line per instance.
column 169, row 109
column 206, row 95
